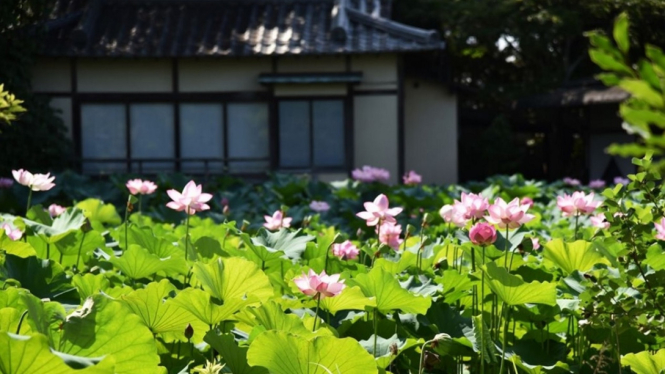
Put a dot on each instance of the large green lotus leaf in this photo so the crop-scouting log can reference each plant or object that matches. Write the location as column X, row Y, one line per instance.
column 513, row 290
column 235, row 357
column 558, row 368
column 284, row 353
column 569, row 257
column 90, row 284
column 95, row 210
column 644, row 362
column 44, row 317
column 264, row 254
column 271, row 317
column 233, row 278
column 325, row 238
column 44, row 278
column 9, row 320
column 351, row 298
column 455, row 285
column 387, row 349
column 138, row 263
column 103, row 327
column 72, row 244
column 482, row 340
column 163, row 316
column 199, row 303
column 283, row 241
column 30, row 354
column 388, row 294
column 159, row 247
column 63, row 225
column 17, row 248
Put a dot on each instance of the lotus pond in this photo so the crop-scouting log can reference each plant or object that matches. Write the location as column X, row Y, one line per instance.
column 291, row 276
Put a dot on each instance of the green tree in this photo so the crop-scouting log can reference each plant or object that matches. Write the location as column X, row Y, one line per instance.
column 506, row 49
column 36, row 140
column 644, row 112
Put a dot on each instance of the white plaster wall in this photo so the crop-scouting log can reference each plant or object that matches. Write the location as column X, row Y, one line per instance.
column 311, row 64
column 64, row 106
column 124, row 75
column 338, row 89
column 599, row 159
column 375, row 132
column 224, row 75
column 430, row 124
column 379, row 71
column 51, row 75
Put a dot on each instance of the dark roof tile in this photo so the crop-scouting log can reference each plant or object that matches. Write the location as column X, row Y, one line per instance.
column 181, row 28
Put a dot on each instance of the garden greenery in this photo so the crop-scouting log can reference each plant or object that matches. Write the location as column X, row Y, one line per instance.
column 644, row 111
column 571, row 286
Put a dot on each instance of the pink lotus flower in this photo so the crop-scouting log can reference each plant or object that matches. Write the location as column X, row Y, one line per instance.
column 571, row 181
column 482, row 234
column 621, row 180
column 345, row 250
column 597, row 184
column 577, row 203
column 473, row 204
column 319, row 286
column 6, row 183
column 191, row 200
column 378, row 212
column 319, row 206
column 370, row 174
column 599, row 221
column 526, row 200
column 412, row 178
column 138, row 186
column 535, row 243
column 11, row 232
column 36, row 182
column 277, row 221
column 55, row 210
column 453, row 214
column 389, row 235
column 511, row 215
column 660, row 227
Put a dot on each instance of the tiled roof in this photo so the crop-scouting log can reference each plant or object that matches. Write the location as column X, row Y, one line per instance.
column 180, row 28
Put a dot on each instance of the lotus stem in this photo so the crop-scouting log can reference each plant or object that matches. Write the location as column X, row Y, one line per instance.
column 20, row 322
column 577, row 219
column 505, row 337
column 422, row 355
column 29, row 201
column 127, row 209
column 475, row 288
column 506, row 246
column 376, row 329
column 140, row 200
column 78, row 256
column 316, row 313
column 48, row 251
column 187, row 234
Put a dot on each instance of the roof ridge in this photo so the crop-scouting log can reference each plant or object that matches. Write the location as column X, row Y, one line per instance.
column 390, row 26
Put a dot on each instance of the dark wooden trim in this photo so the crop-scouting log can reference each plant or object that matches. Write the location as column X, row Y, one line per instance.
column 348, row 132
column 175, row 87
column 311, row 133
column 375, row 92
column 128, row 136
column 201, row 97
column 225, row 132
column 54, row 93
column 401, row 132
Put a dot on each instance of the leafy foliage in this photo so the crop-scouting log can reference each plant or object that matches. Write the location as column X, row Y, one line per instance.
column 589, row 299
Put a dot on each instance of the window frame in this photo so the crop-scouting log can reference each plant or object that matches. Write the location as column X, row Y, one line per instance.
column 175, row 100
column 222, row 98
column 346, row 101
